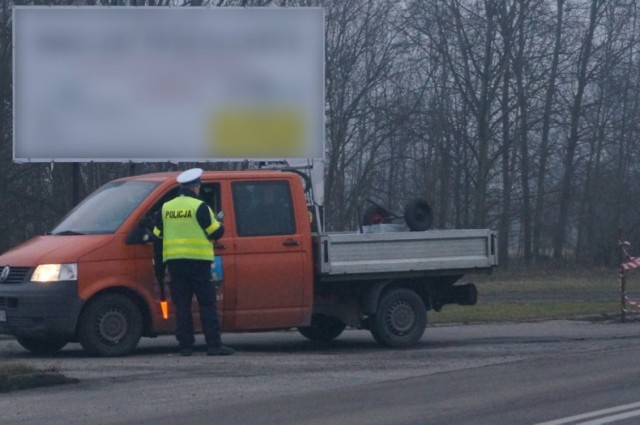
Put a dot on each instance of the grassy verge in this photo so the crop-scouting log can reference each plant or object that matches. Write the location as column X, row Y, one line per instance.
column 540, row 295
column 522, row 312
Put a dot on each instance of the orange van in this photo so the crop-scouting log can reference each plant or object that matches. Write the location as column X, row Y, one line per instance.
column 91, row 278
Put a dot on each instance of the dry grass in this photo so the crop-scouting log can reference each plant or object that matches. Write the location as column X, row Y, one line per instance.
column 13, row 368
column 541, row 294
column 20, row 376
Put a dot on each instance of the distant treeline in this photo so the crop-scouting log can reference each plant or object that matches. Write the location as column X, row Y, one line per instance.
column 518, row 115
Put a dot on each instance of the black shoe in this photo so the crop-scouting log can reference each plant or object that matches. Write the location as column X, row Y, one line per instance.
column 220, row 350
column 186, row 351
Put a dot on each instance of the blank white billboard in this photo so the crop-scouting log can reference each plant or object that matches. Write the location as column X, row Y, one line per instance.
column 168, row 84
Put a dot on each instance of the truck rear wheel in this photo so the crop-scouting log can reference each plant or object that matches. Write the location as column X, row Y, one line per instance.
column 323, row 328
column 110, row 326
column 400, row 320
column 42, row 344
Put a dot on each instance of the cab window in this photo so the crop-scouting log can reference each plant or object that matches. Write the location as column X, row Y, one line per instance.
column 263, row 208
column 105, row 210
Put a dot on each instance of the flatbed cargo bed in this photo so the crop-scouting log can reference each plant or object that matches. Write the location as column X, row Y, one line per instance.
column 352, row 254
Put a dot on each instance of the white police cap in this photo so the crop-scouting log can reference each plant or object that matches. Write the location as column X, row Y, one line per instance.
column 191, row 176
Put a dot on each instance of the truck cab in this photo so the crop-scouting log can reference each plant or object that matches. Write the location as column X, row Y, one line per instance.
column 91, row 278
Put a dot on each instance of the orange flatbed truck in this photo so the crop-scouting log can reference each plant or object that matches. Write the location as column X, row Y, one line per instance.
column 91, row 280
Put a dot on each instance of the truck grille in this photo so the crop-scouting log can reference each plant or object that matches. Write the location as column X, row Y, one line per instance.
column 16, row 275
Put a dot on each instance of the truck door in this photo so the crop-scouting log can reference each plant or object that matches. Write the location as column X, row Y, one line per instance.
column 269, row 259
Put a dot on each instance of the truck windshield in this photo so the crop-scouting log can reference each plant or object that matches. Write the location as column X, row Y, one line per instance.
column 105, row 209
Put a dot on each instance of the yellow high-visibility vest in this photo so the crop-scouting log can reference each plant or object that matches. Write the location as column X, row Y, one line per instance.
column 183, row 238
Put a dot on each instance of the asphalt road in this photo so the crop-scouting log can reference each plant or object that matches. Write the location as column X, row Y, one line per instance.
column 525, row 373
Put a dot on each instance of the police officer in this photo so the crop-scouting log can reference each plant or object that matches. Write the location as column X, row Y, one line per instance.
column 186, row 228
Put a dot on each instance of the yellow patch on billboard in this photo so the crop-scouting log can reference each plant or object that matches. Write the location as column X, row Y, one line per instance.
column 258, row 133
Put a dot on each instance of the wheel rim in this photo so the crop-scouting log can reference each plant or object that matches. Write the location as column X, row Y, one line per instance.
column 112, row 326
column 400, row 318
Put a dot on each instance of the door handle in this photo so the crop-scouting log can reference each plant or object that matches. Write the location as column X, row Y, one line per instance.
column 220, row 246
column 290, row 242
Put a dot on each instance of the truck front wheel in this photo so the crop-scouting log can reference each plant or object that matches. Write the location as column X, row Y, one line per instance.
column 110, row 326
column 42, row 344
column 400, row 319
column 323, row 328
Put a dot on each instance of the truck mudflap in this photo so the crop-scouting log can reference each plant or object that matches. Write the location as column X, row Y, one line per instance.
column 440, row 295
column 40, row 309
column 466, row 294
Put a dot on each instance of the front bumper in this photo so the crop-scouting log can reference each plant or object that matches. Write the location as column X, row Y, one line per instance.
column 35, row 308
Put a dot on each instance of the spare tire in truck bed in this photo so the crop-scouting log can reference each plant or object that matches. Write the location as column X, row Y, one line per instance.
column 418, row 215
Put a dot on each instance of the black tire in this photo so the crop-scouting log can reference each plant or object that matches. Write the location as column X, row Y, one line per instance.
column 40, row 345
column 418, row 215
column 400, row 319
column 323, row 328
column 110, row 326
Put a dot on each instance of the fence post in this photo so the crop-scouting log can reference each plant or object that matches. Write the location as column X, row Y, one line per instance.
column 623, row 284
column 624, row 256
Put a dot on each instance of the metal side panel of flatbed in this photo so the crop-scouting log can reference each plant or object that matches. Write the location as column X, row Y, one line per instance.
column 432, row 250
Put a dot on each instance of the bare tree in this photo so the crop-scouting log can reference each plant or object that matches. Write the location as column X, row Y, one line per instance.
column 546, row 126
column 361, row 50
column 516, row 114
column 583, row 78
column 476, row 69
column 595, row 230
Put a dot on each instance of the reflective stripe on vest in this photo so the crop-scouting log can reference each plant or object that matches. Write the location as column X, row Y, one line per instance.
column 183, row 238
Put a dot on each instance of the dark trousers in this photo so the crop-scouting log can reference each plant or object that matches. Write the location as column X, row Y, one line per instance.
column 189, row 277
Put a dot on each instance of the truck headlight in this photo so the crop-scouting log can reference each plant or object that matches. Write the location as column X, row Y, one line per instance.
column 55, row 272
